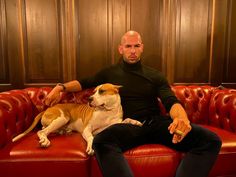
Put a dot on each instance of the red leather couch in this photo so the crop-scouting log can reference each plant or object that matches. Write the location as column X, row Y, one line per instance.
column 212, row 107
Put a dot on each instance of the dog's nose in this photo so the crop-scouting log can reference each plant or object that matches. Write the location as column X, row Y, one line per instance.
column 90, row 99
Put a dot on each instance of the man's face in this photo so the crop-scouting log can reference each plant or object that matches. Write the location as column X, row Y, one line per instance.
column 131, row 48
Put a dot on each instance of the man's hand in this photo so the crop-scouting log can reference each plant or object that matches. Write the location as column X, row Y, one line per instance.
column 132, row 121
column 53, row 97
column 179, row 128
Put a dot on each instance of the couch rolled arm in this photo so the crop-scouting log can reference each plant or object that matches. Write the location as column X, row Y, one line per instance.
column 15, row 114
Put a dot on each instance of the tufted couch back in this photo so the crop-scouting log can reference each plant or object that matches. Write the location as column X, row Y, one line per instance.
column 204, row 105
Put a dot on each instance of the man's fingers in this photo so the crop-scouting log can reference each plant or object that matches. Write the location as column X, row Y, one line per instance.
column 175, row 139
column 139, row 123
column 55, row 101
column 51, row 101
column 132, row 121
column 179, row 132
column 172, row 127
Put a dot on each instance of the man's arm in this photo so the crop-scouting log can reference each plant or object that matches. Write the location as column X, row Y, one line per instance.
column 72, row 86
column 54, row 96
column 180, row 126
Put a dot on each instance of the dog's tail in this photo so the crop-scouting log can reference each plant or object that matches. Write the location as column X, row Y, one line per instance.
column 36, row 120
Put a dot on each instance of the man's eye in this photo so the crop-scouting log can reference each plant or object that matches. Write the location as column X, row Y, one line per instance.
column 137, row 46
column 127, row 46
column 100, row 91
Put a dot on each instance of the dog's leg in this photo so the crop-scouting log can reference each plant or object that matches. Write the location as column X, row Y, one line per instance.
column 87, row 135
column 52, row 127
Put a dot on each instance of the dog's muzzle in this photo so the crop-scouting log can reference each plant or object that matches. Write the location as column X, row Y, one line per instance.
column 90, row 101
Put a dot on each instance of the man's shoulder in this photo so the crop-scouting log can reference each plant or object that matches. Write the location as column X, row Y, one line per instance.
column 151, row 70
column 154, row 74
column 110, row 67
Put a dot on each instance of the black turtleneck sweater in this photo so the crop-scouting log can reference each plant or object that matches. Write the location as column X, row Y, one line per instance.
column 141, row 87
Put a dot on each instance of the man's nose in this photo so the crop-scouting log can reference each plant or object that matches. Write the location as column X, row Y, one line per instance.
column 133, row 50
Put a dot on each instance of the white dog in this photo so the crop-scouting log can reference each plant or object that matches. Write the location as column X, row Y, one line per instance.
column 104, row 109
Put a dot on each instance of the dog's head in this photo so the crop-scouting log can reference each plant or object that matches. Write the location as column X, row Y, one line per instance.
column 105, row 96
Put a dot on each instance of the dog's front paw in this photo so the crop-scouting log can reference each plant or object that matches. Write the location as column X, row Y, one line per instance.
column 89, row 149
column 132, row 121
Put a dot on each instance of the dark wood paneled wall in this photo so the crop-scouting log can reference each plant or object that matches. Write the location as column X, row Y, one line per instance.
column 193, row 36
column 43, row 42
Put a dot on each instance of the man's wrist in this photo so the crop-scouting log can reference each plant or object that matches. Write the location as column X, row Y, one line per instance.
column 62, row 86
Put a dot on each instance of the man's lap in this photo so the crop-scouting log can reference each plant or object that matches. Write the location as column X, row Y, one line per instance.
column 156, row 131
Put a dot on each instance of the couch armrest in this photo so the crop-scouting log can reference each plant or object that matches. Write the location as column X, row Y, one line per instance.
column 15, row 114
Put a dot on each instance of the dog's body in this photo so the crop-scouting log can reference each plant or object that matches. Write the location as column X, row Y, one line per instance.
column 105, row 109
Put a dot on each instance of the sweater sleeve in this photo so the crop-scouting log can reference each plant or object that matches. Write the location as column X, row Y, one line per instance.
column 165, row 93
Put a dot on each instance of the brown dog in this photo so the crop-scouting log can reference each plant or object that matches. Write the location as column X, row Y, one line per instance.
column 104, row 109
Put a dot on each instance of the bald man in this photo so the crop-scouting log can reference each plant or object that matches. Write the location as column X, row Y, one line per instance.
column 141, row 86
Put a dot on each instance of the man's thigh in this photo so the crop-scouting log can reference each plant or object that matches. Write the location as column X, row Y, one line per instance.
column 125, row 136
column 160, row 134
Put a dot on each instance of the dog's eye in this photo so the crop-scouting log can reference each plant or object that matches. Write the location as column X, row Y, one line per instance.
column 100, row 91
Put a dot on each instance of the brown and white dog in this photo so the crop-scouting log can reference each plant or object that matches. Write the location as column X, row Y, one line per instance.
column 104, row 109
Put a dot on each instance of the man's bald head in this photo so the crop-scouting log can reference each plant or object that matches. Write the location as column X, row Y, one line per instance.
column 130, row 34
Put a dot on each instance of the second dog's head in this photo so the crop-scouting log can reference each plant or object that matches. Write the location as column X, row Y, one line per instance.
column 105, row 96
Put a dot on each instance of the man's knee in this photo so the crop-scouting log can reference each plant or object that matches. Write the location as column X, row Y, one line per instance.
column 216, row 143
column 212, row 143
column 206, row 140
column 107, row 136
column 104, row 143
column 102, row 138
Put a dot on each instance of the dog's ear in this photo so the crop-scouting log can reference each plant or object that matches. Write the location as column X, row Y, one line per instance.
column 117, row 87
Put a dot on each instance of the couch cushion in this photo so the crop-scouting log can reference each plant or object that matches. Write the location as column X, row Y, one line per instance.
column 153, row 160
column 65, row 156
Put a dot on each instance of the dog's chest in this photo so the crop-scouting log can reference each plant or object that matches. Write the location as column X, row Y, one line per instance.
column 101, row 120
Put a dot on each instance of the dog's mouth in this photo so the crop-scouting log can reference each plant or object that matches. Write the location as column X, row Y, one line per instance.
column 97, row 106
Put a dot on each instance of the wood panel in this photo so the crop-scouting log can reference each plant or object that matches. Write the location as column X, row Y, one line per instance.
column 146, row 18
column 229, row 76
column 42, row 42
column 4, row 74
column 219, row 42
column 93, row 49
column 119, row 19
column 192, row 43
column 224, row 55
column 13, row 44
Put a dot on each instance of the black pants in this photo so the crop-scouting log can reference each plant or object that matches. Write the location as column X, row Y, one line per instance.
column 201, row 146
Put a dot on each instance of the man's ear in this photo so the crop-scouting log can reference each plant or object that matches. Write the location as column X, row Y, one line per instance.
column 142, row 47
column 120, row 49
